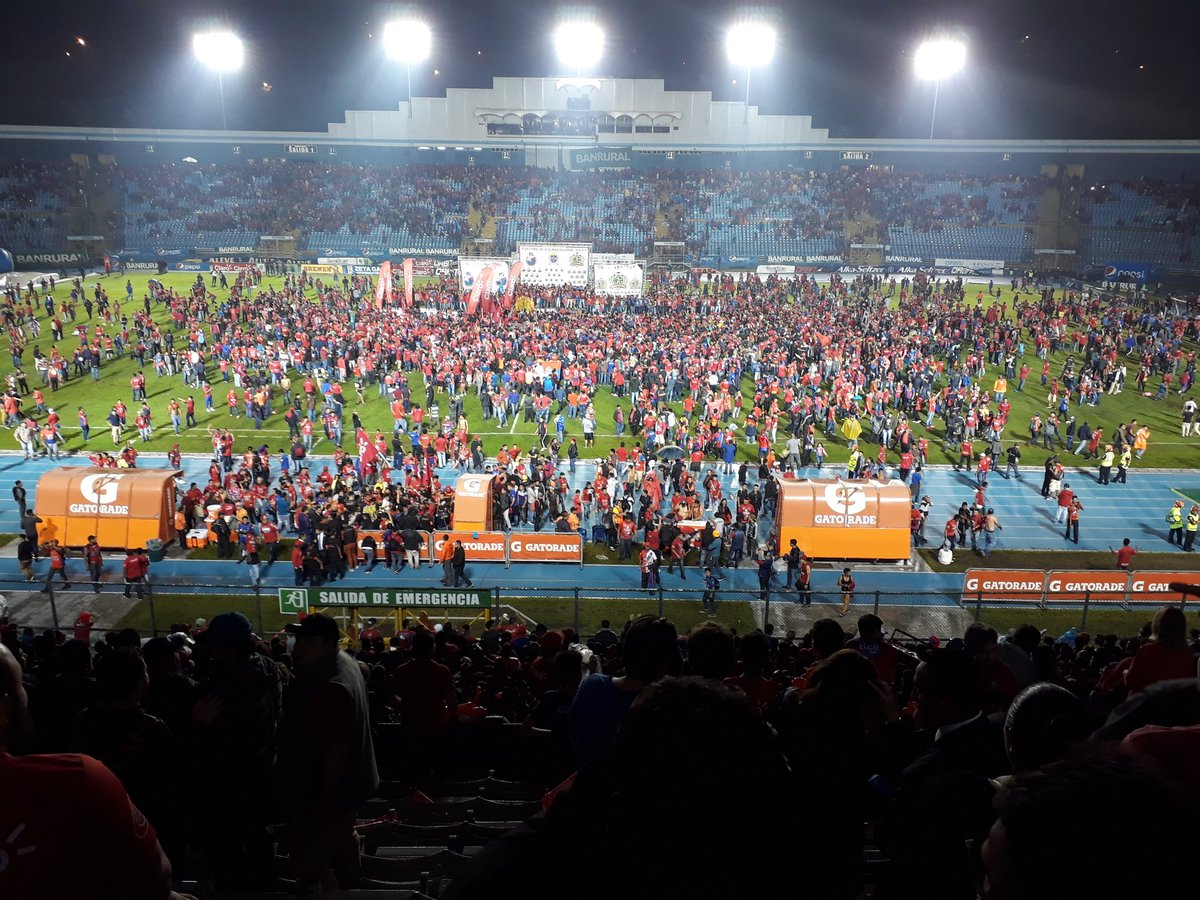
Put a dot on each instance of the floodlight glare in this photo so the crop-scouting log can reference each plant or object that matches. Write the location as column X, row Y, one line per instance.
column 940, row 59
column 750, row 44
column 219, row 50
column 408, row 40
column 579, row 44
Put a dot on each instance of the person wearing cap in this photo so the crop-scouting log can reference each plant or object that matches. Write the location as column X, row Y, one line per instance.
column 1175, row 524
column 235, row 720
column 1106, row 463
column 325, row 753
column 1190, row 526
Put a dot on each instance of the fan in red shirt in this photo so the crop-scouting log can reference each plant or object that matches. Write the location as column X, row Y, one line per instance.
column 104, row 843
column 1125, row 554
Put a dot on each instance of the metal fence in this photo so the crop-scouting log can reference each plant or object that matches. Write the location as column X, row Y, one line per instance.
column 167, row 605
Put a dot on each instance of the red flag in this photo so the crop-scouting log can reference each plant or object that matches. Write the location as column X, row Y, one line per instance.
column 513, row 274
column 384, row 286
column 408, row 282
column 481, row 285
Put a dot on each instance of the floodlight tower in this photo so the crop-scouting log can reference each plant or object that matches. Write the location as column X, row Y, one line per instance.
column 937, row 59
column 221, row 51
column 579, row 44
column 409, row 41
column 749, row 44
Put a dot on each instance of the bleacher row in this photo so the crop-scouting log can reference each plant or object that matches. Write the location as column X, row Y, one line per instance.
column 350, row 209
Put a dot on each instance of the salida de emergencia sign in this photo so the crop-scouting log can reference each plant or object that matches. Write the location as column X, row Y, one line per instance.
column 298, row 600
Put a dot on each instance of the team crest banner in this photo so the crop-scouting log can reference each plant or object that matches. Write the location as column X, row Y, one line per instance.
column 618, row 279
column 553, row 265
column 471, row 267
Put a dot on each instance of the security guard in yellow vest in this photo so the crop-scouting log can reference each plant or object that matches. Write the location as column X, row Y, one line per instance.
column 1190, row 526
column 1175, row 524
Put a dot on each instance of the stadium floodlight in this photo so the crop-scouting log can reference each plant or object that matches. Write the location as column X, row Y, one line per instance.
column 409, row 41
column 223, row 52
column 219, row 50
column 938, row 59
column 579, row 44
column 750, row 44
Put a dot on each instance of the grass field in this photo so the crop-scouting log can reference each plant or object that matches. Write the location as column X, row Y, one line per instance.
column 1167, row 448
column 555, row 612
column 1061, row 559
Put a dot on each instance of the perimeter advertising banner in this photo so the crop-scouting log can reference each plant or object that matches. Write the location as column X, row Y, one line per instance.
column 601, row 158
column 555, row 264
column 471, row 267
column 618, row 279
column 1155, row 587
column 480, row 546
column 545, row 547
column 1003, row 585
column 1126, row 272
column 1098, row 587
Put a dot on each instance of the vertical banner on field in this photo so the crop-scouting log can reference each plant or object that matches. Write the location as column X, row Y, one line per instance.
column 481, row 285
column 408, row 282
column 513, row 276
column 383, row 286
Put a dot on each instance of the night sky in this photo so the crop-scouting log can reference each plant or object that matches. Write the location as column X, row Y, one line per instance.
column 1054, row 69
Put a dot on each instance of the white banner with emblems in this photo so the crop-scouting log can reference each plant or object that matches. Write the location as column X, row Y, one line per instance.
column 555, row 264
column 618, row 279
column 470, row 267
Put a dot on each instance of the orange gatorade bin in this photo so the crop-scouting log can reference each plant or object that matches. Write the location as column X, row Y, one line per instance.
column 123, row 508
column 860, row 519
column 473, row 507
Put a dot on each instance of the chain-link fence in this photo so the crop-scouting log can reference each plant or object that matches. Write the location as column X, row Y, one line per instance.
column 164, row 607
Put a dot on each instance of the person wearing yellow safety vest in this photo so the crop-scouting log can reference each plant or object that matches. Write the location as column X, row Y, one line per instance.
column 1000, row 388
column 1123, row 465
column 1175, row 524
column 1190, row 526
column 1106, row 463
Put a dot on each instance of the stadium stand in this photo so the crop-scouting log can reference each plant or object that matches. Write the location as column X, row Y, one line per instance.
column 473, row 732
column 34, row 198
column 359, row 209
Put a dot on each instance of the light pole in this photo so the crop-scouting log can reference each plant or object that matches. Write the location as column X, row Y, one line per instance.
column 937, row 59
column 409, row 41
column 221, row 51
column 749, row 44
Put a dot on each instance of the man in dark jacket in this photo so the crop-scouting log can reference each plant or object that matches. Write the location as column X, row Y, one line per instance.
column 325, row 753
column 459, row 564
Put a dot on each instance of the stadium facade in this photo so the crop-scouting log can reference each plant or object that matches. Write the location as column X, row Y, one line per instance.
column 637, row 126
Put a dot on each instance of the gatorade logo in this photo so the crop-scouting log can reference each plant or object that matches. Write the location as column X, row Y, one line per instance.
column 845, row 500
column 100, row 488
column 472, row 486
column 1156, row 587
column 519, row 546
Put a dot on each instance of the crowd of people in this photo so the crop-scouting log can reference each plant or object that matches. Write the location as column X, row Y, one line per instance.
column 969, row 759
column 900, row 363
column 192, row 204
